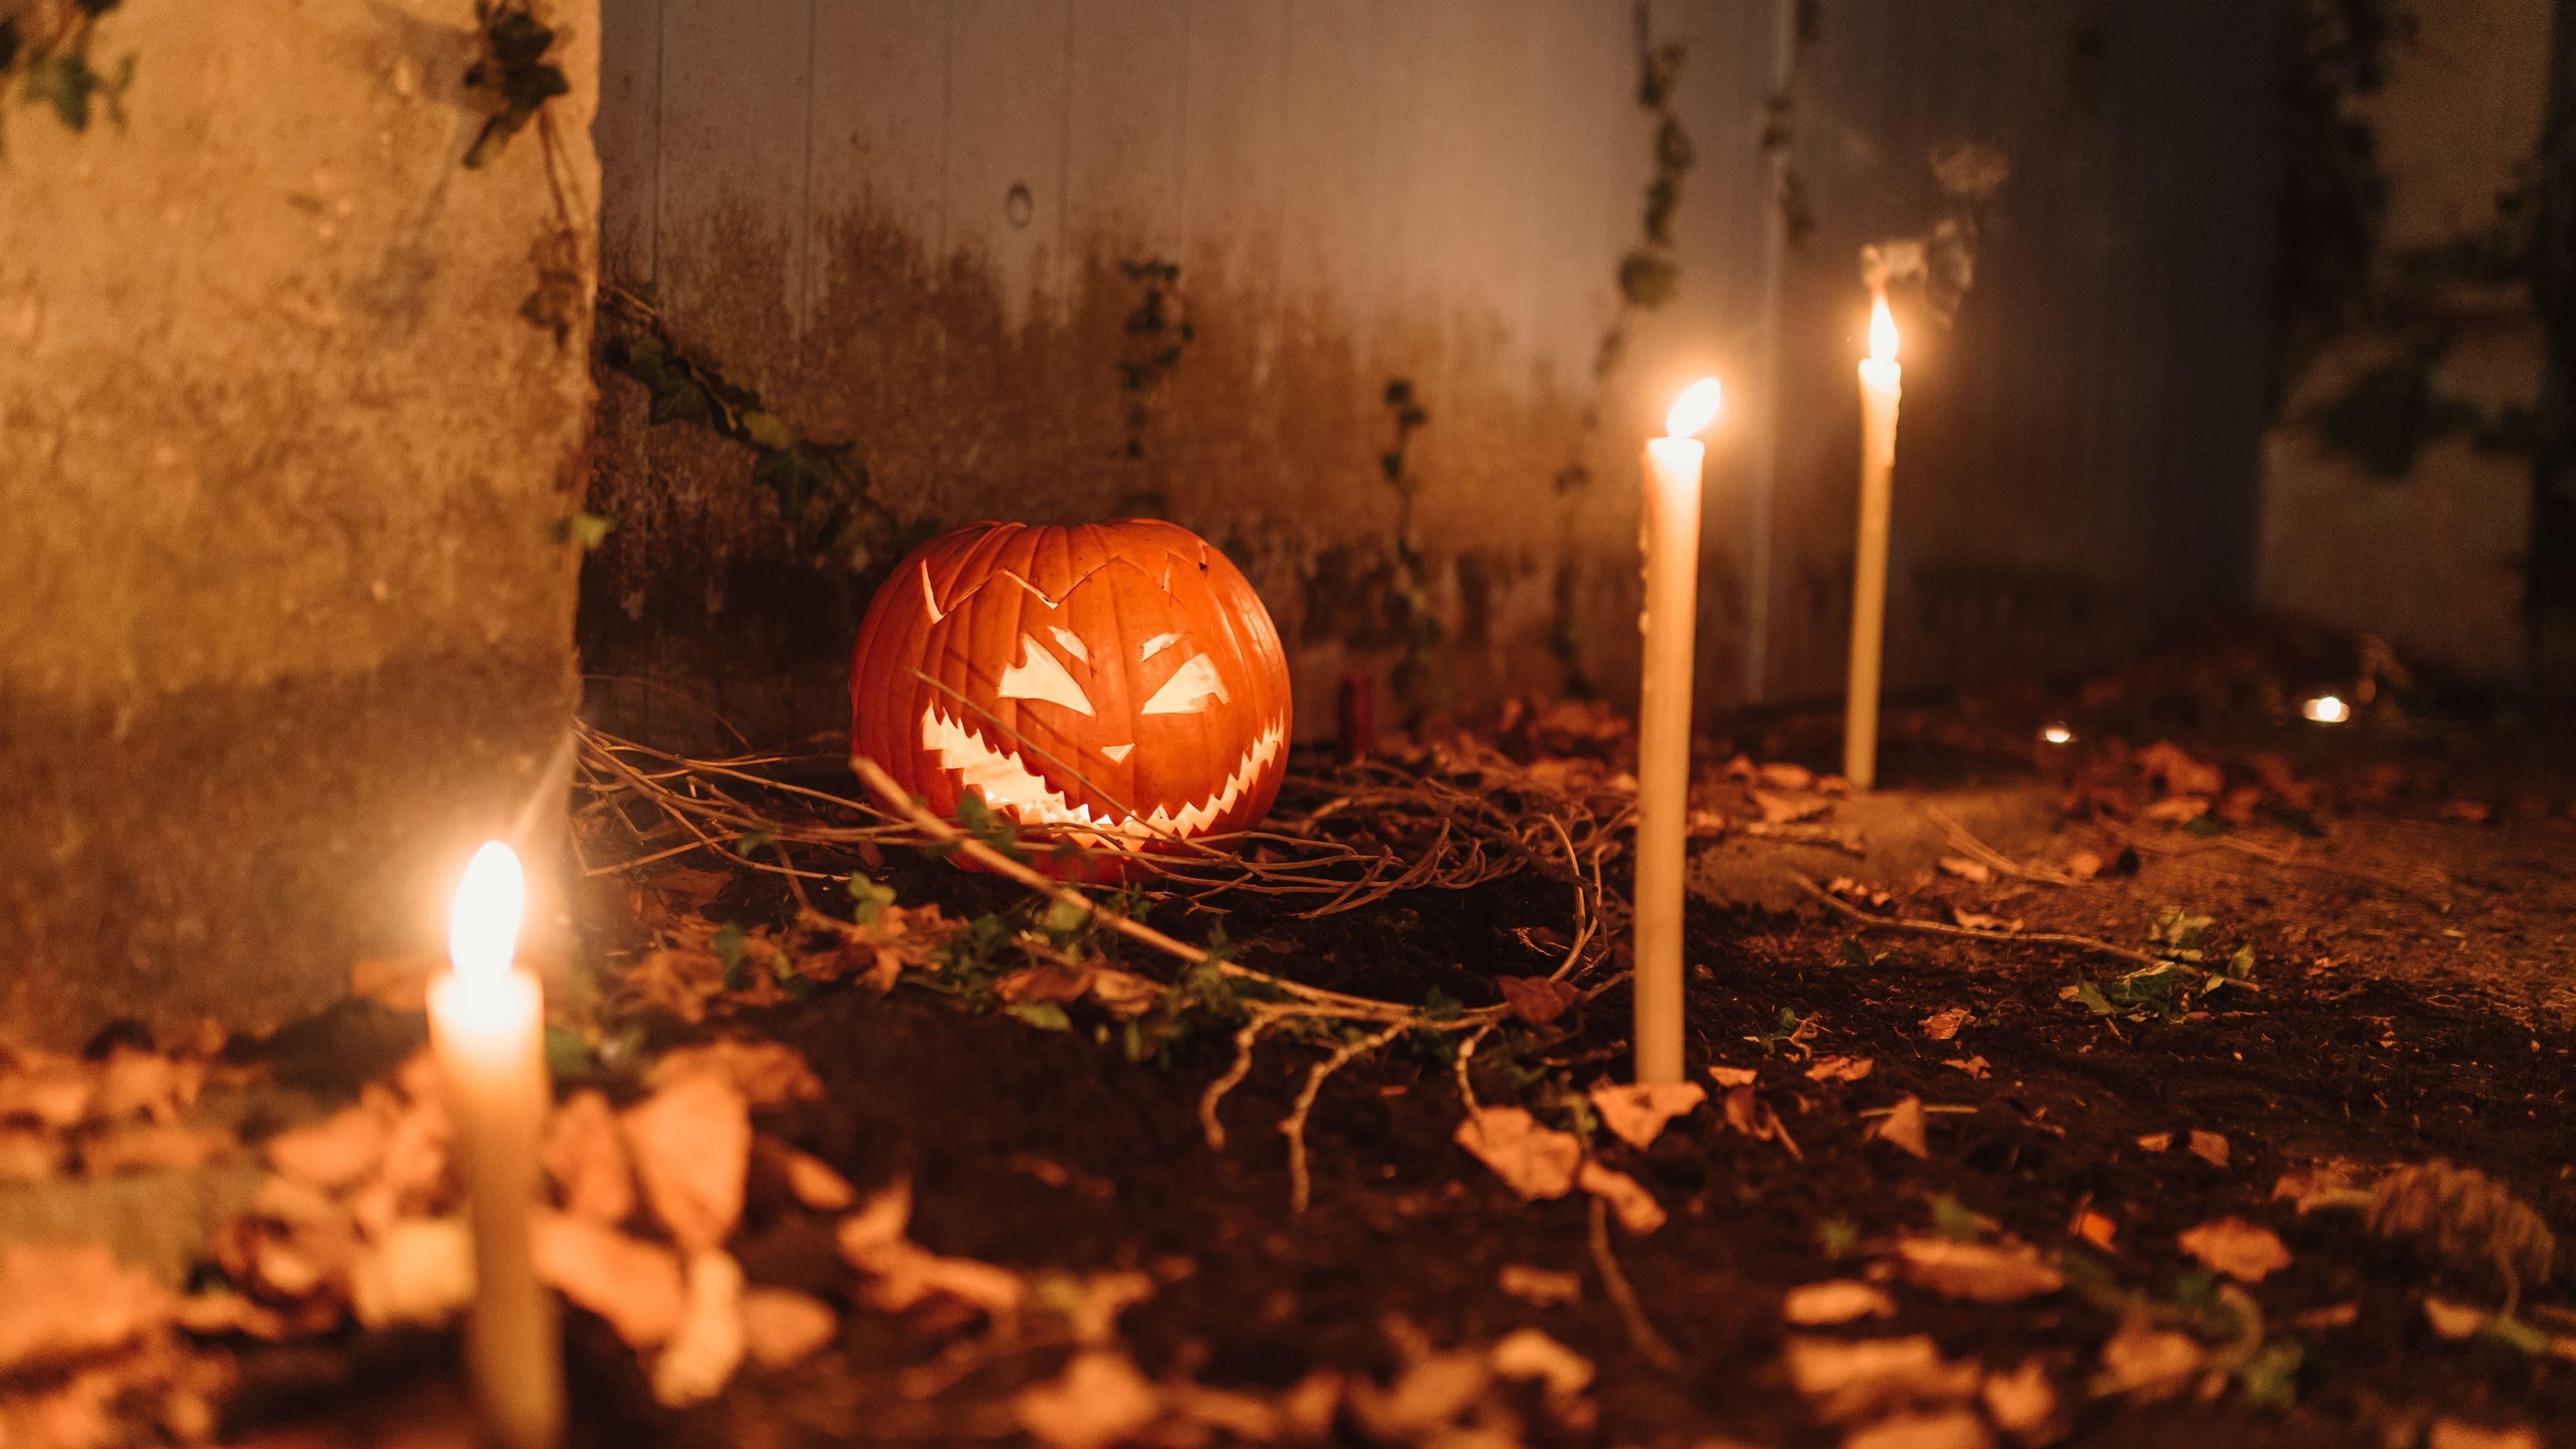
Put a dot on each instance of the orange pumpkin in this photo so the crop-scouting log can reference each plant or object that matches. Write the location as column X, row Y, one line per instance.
column 1120, row 681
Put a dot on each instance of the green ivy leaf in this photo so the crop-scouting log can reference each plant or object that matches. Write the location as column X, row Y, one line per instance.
column 728, row 943
column 1044, row 1015
column 1439, row 1005
column 868, row 899
column 588, row 530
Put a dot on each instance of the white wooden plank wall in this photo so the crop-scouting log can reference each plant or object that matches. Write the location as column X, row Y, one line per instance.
column 1440, row 189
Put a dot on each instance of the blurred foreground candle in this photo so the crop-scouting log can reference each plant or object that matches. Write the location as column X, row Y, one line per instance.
column 1880, row 382
column 487, row 1025
column 1671, row 537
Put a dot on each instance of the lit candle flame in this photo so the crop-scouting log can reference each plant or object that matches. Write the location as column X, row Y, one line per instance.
column 2058, row 734
column 1882, row 331
column 484, row 932
column 2326, row 709
column 1695, row 409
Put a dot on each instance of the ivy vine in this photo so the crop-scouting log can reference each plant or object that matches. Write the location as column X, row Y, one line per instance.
column 1419, row 632
column 1157, row 331
column 511, row 75
column 1649, row 277
column 2389, row 414
column 823, row 489
column 53, row 68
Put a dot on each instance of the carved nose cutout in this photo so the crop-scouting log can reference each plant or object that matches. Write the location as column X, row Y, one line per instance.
column 1039, row 676
column 1189, row 689
column 1116, row 754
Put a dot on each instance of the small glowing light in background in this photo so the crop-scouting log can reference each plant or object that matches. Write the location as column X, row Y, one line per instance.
column 2058, row 734
column 1695, row 409
column 1882, row 330
column 2326, row 709
column 483, row 934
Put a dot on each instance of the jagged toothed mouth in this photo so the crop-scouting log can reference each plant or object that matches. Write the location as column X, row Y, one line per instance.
column 1011, row 787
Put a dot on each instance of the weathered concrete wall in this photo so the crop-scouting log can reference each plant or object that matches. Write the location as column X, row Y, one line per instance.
column 2432, row 560
column 283, row 628
column 904, row 218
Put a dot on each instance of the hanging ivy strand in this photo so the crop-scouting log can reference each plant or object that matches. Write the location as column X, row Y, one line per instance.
column 44, row 51
column 512, row 75
column 1649, row 277
column 823, row 489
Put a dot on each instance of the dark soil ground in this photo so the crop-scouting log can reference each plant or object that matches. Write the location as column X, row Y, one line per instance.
column 2417, row 1000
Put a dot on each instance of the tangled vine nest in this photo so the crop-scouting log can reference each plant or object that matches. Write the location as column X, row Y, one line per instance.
column 1449, row 816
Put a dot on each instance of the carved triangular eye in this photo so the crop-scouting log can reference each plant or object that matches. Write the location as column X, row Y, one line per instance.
column 1039, row 676
column 1189, row 689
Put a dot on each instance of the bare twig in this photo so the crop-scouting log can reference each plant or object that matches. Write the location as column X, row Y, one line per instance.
column 1300, row 1186
column 1651, row 1346
column 1245, row 1040
column 1992, row 858
column 1943, row 928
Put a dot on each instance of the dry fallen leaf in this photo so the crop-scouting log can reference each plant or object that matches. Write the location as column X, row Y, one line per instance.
column 1125, row 994
column 2319, row 1184
column 1782, row 775
column 64, row 1302
column 1732, row 1076
column 1540, row 1287
column 2156, row 1142
column 1868, row 1378
column 2097, row 1228
column 2460, row 1434
column 335, row 1152
column 1975, row 1067
column 708, row 1346
column 878, row 1224
column 1966, row 869
column 2024, row 1403
column 1903, row 1127
column 808, row 1179
column 769, row 1074
column 2209, row 1147
column 2332, row 1316
column 28, row 1155
column 1535, row 1161
column 1978, row 921
column 420, row 1270
column 1836, row 1300
column 1944, row 1025
column 1788, row 809
column 47, row 1089
column 1952, row 1429
column 586, row 1157
column 1050, row 984
column 1636, row 1114
column 1097, row 1401
column 782, row 1327
column 1424, row 1401
column 1840, row 1069
column 135, row 1083
column 1978, row 1272
column 155, row 1146
column 634, row 1284
column 2146, row 1362
column 1538, row 1000
column 2453, row 1320
column 1636, row 1208
column 692, row 1148
column 2246, row 1252
column 1527, row 1355
column 1754, row 1118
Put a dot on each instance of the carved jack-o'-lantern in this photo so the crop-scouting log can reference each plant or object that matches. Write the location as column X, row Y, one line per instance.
column 1131, row 652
